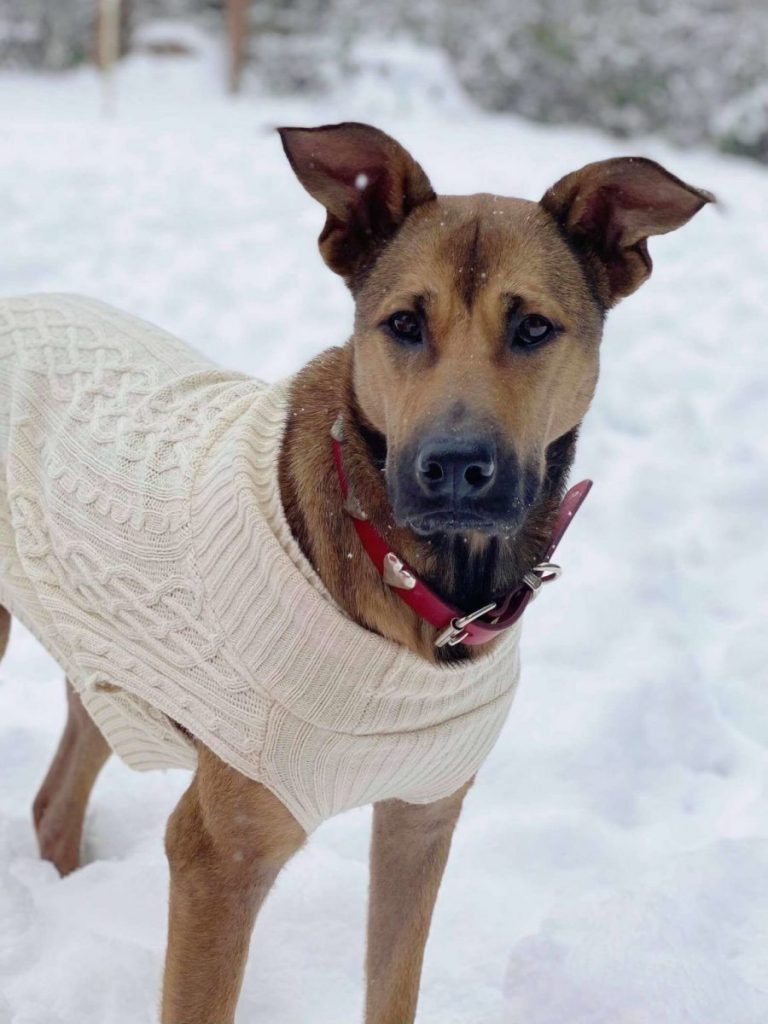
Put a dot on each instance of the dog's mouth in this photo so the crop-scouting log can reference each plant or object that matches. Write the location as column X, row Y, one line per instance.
column 452, row 521
column 423, row 526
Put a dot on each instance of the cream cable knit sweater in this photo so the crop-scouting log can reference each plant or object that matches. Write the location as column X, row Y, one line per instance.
column 143, row 541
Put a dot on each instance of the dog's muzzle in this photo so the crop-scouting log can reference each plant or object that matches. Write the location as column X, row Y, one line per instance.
column 448, row 484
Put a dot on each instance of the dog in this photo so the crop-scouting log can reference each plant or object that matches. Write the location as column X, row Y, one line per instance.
column 201, row 581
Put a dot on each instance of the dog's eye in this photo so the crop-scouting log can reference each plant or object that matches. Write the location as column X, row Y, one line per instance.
column 532, row 330
column 405, row 326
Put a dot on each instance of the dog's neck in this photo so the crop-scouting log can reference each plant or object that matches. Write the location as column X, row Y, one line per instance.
column 466, row 570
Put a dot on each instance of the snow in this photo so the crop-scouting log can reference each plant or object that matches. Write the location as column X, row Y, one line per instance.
column 610, row 865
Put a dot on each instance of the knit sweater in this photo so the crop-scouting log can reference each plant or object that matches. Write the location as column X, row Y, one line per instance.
column 143, row 541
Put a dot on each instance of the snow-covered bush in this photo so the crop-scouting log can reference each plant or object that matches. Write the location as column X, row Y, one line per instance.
column 742, row 126
column 639, row 66
column 51, row 34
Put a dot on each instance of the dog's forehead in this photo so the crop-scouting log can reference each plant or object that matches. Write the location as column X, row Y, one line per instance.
column 486, row 207
column 483, row 244
column 489, row 229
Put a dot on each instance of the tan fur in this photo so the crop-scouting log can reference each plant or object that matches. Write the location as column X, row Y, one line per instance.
column 464, row 258
column 59, row 808
column 409, row 851
column 226, row 842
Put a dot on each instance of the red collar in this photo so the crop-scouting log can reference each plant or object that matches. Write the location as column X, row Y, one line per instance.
column 455, row 626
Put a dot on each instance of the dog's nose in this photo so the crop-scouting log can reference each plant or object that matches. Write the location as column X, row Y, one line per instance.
column 448, row 468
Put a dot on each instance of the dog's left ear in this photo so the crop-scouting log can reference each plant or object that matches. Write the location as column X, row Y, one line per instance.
column 609, row 209
column 367, row 183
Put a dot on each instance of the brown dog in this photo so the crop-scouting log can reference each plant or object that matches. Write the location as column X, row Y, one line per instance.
column 473, row 360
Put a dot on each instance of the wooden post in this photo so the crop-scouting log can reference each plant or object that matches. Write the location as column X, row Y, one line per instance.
column 237, row 32
column 108, row 32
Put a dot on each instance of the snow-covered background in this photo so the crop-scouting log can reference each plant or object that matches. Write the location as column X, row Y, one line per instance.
column 611, row 866
column 691, row 70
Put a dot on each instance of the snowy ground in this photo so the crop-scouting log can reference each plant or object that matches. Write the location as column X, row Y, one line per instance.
column 611, row 864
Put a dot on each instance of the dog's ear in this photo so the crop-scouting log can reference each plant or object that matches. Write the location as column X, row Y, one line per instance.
column 367, row 183
column 609, row 209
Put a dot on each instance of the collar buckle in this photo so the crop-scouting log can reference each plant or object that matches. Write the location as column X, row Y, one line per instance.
column 455, row 632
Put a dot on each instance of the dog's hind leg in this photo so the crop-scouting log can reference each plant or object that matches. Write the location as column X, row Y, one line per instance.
column 5, row 629
column 409, row 851
column 226, row 842
column 59, row 807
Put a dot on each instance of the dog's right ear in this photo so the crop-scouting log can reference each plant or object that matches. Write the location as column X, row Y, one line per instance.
column 367, row 183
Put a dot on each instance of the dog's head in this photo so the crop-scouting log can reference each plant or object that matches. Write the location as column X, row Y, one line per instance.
column 478, row 318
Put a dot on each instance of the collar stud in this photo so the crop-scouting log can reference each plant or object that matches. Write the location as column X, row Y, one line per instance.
column 395, row 574
column 337, row 430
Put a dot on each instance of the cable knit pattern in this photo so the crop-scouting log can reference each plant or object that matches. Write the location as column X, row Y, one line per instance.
column 143, row 541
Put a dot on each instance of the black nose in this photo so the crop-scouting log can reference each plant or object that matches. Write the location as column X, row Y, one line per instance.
column 448, row 468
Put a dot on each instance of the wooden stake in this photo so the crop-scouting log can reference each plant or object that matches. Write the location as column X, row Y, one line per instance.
column 108, row 48
column 237, row 31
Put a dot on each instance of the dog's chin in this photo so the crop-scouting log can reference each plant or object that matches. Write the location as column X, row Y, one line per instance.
column 449, row 523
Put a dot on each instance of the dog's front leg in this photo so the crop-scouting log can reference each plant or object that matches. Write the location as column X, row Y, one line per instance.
column 409, row 851
column 226, row 842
